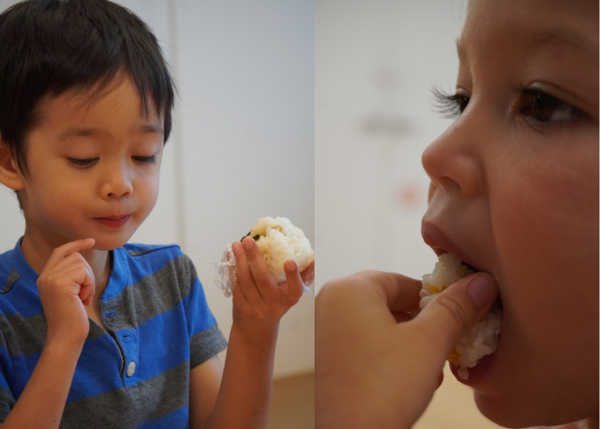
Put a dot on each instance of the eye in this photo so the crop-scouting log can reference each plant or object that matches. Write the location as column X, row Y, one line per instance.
column 85, row 162
column 449, row 105
column 542, row 107
column 145, row 159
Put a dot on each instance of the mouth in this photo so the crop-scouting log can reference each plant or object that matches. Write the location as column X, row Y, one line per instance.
column 114, row 221
column 440, row 243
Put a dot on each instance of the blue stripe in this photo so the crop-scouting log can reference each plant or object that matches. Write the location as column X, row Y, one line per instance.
column 197, row 321
column 98, row 369
column 160, row 345
column 23, row 367
column 148, row 263
column 23, row 300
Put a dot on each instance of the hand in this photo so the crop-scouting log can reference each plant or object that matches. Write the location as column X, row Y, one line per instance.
column 376, row 366
column 65, row 285
column 256, row 295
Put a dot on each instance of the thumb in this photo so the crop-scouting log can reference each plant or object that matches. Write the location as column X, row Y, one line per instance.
column 454, row 312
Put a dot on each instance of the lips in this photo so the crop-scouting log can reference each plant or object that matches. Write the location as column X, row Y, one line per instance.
column 114, row 221
column 440, row 243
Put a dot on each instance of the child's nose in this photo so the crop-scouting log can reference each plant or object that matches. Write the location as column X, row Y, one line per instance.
column 454, row 160
column 116, row 183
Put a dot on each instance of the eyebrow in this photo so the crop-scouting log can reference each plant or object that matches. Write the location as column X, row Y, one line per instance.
column 90, row 132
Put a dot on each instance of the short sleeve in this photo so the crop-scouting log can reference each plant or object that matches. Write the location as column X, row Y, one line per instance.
column 7, row 400
column 206, row 339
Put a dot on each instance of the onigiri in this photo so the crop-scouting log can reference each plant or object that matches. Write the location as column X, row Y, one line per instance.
column 485, row 335
column 278, row 241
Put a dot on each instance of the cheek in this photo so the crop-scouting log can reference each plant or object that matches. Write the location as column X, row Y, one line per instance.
column 148, row 191
column 546, row 226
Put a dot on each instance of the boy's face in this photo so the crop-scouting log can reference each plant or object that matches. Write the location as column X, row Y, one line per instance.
column 515, row 193
column 93, row 168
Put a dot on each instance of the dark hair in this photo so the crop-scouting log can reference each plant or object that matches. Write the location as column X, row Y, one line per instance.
column 50, row 46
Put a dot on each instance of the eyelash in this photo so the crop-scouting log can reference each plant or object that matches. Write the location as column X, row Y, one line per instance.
column 452, row 105
column 449, row 105
column 145, row 159
column 88, row 162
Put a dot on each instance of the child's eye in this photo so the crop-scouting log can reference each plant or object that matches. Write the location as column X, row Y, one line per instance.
column 449, row 105
column 145, row 159
column 544, row 107
column 85, row 162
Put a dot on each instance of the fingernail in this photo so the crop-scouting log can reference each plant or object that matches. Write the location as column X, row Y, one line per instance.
column 292, row 266
column 482, row 290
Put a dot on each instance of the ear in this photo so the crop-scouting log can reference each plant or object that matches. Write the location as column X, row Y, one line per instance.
column 10, row 174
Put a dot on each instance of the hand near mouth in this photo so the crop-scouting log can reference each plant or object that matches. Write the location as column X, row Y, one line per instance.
column 376, row 366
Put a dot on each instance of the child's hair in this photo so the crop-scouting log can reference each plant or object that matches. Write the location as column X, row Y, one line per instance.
column 50, row 46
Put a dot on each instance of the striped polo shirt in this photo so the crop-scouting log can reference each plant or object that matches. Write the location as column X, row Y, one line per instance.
column 137, row 374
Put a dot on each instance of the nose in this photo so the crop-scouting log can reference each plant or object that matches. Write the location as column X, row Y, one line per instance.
column 454, row 161
column 116, row 182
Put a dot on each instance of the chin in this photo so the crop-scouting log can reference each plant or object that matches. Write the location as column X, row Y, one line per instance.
column 515, row 413
column 111, row 243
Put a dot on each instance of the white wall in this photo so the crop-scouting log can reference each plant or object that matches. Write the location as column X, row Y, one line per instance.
column 376, row 62
column 242, row 146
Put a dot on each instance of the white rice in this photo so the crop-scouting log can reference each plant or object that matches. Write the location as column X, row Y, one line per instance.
column 278, row 240
column 485, row 335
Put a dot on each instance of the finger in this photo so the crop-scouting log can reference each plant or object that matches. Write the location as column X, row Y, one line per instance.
column 244, row 279
column 293, row 286
column 84, row 277
column 454, row 312
column 65, row 250
column 400, row 293
column 264, row 279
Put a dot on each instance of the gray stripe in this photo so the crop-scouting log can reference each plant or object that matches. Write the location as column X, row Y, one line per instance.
column 7, row 402
column 25, row 336
column 129, row 407
column 206, row 344
column 11, row 280
column 151, row 296
column 141, row 251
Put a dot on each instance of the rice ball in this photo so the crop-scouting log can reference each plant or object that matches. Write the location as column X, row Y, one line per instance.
column 485, row 335
column 278, row 240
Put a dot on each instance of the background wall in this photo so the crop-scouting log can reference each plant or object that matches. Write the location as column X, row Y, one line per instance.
column 242, row 146
column 375, row 65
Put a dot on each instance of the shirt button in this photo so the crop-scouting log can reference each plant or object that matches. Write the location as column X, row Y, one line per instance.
column 130, row 369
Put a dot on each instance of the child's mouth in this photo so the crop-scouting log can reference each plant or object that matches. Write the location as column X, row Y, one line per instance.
column 114, row 221
column 484, row 337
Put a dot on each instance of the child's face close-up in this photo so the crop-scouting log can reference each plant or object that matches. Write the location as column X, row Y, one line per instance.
column 93, row 167
column 514, row 193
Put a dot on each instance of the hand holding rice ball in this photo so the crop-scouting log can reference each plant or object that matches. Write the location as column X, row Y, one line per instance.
column 377, row 359
column 485, row 335
column 278, row 241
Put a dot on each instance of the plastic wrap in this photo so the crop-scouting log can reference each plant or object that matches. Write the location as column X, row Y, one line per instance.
column 225, row 274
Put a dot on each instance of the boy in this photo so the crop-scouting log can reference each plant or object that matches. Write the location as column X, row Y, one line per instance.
column 514, row 193
column 97, row 332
